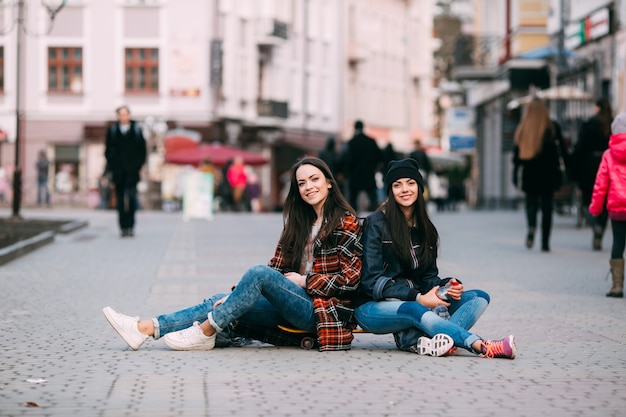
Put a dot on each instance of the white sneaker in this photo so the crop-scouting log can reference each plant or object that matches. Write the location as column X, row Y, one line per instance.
column 126, row 327
column 191, row 338
column 439, row 345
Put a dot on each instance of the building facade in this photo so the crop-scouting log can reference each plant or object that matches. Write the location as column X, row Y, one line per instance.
column 273, row 76
column 518, row 46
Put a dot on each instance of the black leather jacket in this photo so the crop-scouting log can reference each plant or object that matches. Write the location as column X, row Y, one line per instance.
column 382, row 276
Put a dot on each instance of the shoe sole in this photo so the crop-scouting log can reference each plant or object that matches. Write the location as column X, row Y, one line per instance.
column 513, row 348
column 173, row 346
column 109, row 314
column 439, row 345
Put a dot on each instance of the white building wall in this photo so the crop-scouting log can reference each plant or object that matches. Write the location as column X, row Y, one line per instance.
column 388, row 76
column 391, row 89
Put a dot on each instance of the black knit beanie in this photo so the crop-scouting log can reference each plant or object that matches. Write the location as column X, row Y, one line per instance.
column 405, row 168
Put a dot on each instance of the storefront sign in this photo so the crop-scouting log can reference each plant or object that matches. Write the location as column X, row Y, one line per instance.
column 462, row 142
column 591, row 28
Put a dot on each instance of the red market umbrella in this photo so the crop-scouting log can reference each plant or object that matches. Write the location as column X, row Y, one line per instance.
column 217, row 153
column 178, row 139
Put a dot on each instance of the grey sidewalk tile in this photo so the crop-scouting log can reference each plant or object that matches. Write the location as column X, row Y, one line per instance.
column 570, row 337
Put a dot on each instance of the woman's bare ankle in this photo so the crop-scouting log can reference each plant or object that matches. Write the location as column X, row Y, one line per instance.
column 146, row 327
column 207, row 329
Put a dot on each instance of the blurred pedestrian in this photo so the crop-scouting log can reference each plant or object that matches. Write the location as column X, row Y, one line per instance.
column 457, row 175
column 593, row 140
column 389, row 154
column 125, row 153
column 253, row 190
column 331, row 156
column 360, row 162
column 307, row 284
column 207, row 166
column 224, row 190
column 104, row 189
column 538, row 144
column 43, row 169
column 423, row 161
column 609, row 191
column 238, row 179
column 438, row 188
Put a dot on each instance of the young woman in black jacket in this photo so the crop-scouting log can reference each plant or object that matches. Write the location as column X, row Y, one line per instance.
column 400, row 277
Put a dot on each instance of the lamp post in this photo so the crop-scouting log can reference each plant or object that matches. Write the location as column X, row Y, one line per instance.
column 52, row 7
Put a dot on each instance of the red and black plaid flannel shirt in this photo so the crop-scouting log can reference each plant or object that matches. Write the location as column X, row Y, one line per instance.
column 336, row 273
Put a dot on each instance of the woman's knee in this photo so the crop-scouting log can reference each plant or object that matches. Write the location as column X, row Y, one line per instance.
column 471, row 294
column 257, row 272
column 482, row 294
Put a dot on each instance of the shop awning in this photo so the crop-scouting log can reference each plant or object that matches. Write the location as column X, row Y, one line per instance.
column 219, row 154
column 559, row 92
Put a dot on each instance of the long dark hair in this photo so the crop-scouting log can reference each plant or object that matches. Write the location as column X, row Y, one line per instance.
column 400, row 233
column 605, row 114
column 299, row 216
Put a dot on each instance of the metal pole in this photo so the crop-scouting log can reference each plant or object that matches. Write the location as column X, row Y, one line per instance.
column 17, row 174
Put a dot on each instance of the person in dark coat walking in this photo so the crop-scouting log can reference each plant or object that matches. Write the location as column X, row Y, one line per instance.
column 330, row 155
column 419, row 154
column 536, row 152
column 593, row 140
column 125, row 153
column 361, row 160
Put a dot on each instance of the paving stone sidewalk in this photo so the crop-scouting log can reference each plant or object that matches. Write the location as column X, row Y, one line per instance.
column 61, row 358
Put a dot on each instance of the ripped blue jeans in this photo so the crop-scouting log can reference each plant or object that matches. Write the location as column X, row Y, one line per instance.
column 409, row 320
column 263, row 297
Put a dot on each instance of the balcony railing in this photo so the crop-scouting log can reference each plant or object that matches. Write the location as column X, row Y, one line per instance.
column 272, row 32
column 280, row 30
column 271, row 108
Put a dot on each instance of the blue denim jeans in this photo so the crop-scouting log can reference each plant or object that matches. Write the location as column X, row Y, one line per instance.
column 43, row 194
column 263, row 297
column 396, row 316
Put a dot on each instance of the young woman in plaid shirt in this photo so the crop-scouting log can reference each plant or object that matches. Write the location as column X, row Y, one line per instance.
column 315, row 269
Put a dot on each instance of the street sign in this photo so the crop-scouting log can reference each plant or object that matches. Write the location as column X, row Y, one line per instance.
column 462, row 142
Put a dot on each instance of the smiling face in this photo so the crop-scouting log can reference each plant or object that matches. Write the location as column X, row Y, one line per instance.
column 313, row 186
column 405, row 193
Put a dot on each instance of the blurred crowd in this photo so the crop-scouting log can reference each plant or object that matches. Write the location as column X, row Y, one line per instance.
column 359, row 164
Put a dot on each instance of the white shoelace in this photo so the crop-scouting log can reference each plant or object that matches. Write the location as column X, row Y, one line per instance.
column 192, row 331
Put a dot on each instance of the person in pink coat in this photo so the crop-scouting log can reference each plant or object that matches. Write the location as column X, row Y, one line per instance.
column 610, row 189
column 237, row 178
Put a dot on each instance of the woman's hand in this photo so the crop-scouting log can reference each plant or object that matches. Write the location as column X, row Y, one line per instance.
column 220, row 301
column 298, row 279
column 431, row 300
column 455, row 289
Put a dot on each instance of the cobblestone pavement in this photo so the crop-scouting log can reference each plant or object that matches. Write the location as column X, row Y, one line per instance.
column 61, row 358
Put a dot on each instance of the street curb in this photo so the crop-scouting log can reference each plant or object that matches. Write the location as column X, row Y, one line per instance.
column 73, row 226
column 25, row 246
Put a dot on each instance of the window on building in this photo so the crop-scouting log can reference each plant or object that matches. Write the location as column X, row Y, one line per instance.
column 66, row 164
column 142, row 70
column 65, row 69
